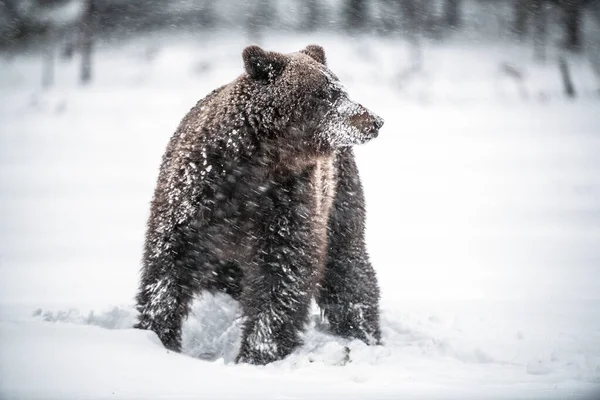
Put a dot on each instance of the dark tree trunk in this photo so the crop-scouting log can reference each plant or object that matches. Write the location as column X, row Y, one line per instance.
column 540, row 33
column 260, row 16
column 389, row 20
column 565, row 74
column 412, row 24
column 87, row 41
column 355, row 15
column 573, row 24
column 312, row 13
column 452, row 13
column 427, row 22
column 48, row 64
column 410, row 16
column 19, row 29
column 521, row 17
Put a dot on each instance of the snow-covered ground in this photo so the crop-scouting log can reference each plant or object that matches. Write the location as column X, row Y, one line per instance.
column 483, row 226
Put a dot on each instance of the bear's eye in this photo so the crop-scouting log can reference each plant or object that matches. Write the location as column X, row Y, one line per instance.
column 335, row 94
column 330, row 95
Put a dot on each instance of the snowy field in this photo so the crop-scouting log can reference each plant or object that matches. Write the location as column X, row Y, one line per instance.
column 483, row 227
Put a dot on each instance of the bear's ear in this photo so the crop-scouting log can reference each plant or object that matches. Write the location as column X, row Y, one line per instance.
column 260, row 64
column 316, row 53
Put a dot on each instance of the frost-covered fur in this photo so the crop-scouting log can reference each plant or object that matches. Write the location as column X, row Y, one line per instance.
column 259, row 197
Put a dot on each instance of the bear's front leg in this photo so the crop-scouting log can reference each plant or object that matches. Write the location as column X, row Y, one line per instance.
column 349, row 295
column 168, row 283
column 278, row 286
column 276, row 307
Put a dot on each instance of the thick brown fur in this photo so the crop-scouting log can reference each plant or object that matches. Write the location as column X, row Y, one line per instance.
column 258, row 196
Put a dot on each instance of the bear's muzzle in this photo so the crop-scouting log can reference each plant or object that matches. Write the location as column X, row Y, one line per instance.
column 367, row 122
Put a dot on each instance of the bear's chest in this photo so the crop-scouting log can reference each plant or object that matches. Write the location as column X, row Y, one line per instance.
column 323, row 190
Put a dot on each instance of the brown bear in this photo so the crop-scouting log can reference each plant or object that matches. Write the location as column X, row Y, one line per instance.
column 259, row 197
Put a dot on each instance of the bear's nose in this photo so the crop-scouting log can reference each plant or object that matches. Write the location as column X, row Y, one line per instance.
column 367, row 122
column 378, row 121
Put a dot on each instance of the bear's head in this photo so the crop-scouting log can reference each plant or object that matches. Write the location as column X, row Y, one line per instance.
column 298, row 99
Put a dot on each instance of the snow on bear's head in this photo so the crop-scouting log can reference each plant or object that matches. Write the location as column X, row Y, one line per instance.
column 302, row 101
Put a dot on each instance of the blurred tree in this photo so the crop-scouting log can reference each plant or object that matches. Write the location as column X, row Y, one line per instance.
column 311, row 15
column 540, row 29
column 13, row 21
column 260, row 15
column 409, row 16
column 355, row 15
column 48, row 21
column 389, row 19
column 412, row 25
column 88, row 28
column 21, row 20
column 429, row 22
column 566, row 77
column 418, row 18
column 572, row 10
column 207, row 16
column 452, row 13
column 48, row 61
column 521, row 11
column 534, row 12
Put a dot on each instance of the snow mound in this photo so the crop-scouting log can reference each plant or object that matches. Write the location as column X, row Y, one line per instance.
column 554, row 343
column 467, row 349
